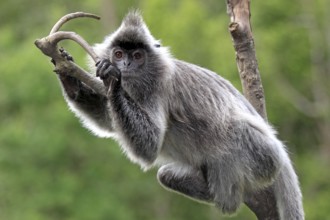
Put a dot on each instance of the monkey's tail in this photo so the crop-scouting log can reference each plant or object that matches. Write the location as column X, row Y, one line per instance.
column 288, row 194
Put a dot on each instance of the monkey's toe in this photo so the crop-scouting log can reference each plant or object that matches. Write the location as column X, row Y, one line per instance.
column 65, row 54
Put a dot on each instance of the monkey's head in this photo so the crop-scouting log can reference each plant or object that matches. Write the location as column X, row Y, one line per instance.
column 133, row 50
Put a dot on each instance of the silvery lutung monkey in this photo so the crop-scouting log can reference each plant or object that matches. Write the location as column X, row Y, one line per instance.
column 210, row 143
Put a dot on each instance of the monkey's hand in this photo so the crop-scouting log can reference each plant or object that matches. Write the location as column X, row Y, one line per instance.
column 107, row 72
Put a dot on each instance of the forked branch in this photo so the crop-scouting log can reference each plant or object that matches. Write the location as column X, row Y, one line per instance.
column 48, row 45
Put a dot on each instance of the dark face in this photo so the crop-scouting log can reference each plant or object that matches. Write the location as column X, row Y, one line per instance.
column 128, row 61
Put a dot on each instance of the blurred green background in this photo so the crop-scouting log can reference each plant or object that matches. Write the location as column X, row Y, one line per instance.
column 52, row 168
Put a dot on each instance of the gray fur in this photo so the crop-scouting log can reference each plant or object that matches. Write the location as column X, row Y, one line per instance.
column 209, row 141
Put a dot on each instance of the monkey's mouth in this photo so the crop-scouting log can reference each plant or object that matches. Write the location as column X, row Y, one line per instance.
column 127, row 72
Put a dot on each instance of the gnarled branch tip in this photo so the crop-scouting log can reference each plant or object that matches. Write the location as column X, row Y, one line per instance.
column 69, row 17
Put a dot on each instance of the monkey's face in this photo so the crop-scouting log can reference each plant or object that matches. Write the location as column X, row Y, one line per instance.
column 129, row 62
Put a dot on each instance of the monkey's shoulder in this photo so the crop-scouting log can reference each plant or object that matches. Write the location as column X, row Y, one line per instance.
column 195, row 87
column 195, row 79
column 195, row 74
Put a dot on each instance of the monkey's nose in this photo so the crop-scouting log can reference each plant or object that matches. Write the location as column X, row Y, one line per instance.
column 127, row 64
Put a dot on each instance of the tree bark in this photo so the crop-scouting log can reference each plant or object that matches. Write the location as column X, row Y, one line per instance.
column 262, row 203
column 241, row 32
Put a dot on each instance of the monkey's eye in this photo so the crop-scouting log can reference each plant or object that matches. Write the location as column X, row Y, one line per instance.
column 137, row 55
column 118, row 54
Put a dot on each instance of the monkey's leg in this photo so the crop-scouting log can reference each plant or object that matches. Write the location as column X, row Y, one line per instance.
column 187, row 181
column 226, row 183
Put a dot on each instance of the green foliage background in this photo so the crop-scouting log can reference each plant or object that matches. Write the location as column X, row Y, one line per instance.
column 52, row 168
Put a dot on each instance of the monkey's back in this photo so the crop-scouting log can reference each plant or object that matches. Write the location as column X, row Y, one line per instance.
column 203, row 110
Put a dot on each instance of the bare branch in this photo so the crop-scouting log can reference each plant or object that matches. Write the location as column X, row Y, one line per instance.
column 69, row 17
column 77, row 72
column 48, row 45
column 63, row 35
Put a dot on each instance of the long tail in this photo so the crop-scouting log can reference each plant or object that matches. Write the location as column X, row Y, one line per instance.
column 288, row 194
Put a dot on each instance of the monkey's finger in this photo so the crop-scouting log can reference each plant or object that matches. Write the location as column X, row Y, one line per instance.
column 113, row 72
column 102, row 62
column 98, row 62
column 102, row 66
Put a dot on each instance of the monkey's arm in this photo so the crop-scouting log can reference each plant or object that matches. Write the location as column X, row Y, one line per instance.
column 142, row 132
column 141, row 126
column 89, row 106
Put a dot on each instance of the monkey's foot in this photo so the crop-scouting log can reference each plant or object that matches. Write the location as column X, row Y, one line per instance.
column 229, row 204
column 65, row 54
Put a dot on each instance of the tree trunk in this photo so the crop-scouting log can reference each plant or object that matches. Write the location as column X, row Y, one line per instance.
column 262, row 203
